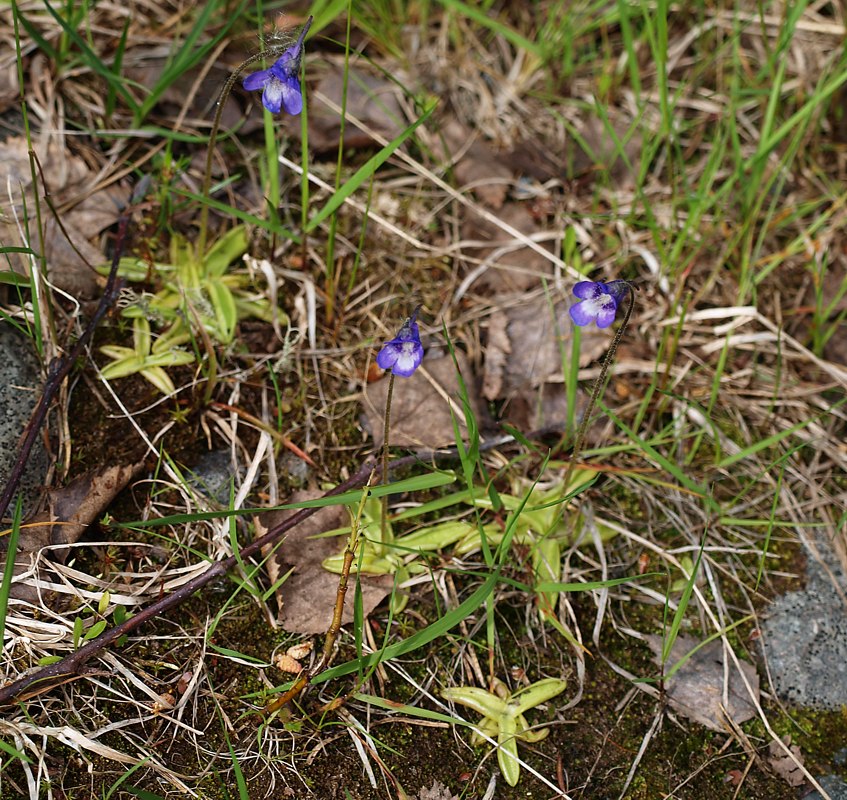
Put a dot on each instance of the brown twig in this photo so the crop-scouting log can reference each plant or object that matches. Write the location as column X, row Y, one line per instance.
column 337, row 614
column 70, row 665
column 60, row 672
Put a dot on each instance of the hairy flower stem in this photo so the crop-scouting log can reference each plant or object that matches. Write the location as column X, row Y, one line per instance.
column 337, row 613
column 596, row 389
column 383, row 522
column 271, row 52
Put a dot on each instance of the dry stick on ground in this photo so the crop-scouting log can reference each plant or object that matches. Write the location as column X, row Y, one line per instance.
column 61, row 367
column 338, row 611
column 70, row 665
column 60, row 672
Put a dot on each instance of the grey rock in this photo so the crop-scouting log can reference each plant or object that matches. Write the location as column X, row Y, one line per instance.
column 20, row 390
column 212, row 476
column 834, row 787
column 805, row 638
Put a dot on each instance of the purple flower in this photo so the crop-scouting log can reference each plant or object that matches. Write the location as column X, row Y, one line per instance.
column 598, row 302
column 281, row 83
column 404, row 353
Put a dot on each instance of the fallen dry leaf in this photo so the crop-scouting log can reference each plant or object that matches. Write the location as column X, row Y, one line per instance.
column 370, row 99
column 497, row 352
column 146, row 70
column 696, row 689
column 526, row 357
column 476, row 165
column 308, row 595
column 71, row 509
column 597, row 149
column 785, row 766
column 515, row 267
column 421, row 405
column 84, row 214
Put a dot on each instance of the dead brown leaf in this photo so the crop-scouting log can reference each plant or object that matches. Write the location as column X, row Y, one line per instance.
column 696, row 689
column 421, row 405
column 526, row 356
column 68, row 248
column 71, row 509
column 370, row 99
column 475, row 164
column 598, row 149
column 785, row 766
column 144, row 69
column 308, row 595
column 516, row 268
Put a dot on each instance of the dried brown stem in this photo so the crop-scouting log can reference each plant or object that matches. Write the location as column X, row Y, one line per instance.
column 66, row 669
column 337, row 613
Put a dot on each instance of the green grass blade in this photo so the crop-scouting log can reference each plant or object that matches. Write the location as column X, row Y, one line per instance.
column 431, row 480
column 494, row 25
column 366, row 171
column 9, row 569
column 663, row 462
column 672, row 634
column 187, row 56
column 93, row 61
column 420, row 638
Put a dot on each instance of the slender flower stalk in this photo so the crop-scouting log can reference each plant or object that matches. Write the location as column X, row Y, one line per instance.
column 599, row 303
column 402, row 355
column 281, row 85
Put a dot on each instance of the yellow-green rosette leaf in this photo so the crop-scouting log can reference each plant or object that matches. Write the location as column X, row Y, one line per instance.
column 507, row 750
column 479, row 700
column 525, row 734
column 160, row 379
column 400, row 597
column 141, row 339
column 175, row 336
column 371, row 564
column 538, row 693
column 231, row 246
column 437, row 537
column 260, row 309
column 171, row 358
column 226, row 316
column 127, row 362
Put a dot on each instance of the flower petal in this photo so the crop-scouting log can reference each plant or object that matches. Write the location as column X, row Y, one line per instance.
column 589, row 290
column 408, row 360
column 582, row 313
column 618, row 290
column 272, row 96
column 389, row 354
column 403, row 354
column 606, row 312
column 292, row 98
column 256, row 80
column 287, row 65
